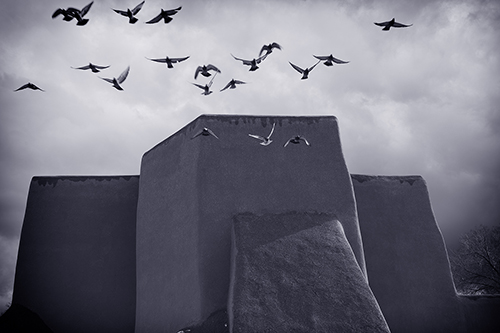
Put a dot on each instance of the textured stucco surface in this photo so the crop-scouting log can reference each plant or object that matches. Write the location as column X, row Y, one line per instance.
column 406, row 259
column 296, row 272
column 190, row 189
column 76, row 261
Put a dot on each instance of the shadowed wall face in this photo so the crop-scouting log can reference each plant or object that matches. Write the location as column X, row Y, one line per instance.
column 191, row 188
column 76, row 261
column 406, row 259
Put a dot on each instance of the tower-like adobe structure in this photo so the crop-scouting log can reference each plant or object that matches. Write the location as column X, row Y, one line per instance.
column 221, row 226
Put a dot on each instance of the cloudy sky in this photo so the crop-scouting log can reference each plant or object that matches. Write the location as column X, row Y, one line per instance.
column 421, row 100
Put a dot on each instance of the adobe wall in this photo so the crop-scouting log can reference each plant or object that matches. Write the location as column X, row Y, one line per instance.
column 190, row 189
column 406, row 259
column 76, row 260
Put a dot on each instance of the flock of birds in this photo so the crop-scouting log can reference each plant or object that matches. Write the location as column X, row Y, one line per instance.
column 71, row 13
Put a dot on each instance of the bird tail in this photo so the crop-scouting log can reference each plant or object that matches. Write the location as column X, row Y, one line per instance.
column 132, row 20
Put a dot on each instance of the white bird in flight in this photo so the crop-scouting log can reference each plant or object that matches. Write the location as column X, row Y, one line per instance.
column 265, row 140
column 205, row 132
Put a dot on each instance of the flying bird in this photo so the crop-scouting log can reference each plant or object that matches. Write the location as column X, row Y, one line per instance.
column 70, row 13
column 29, row 85
column 131, row 13
column 304, row 72
column 92, row 67
column 116, row 81
column 329, row 60
column 204, row 70
column 269, row 48
column 205, row 132
column 169, row 61
column 206, row 87
column 165, row 15
column 252, row 63
column 296, row 140
column 391, row 24
column 232, row 84
column 265, row 140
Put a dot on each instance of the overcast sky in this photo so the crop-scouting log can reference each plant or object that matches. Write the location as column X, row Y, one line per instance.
column 421, row 100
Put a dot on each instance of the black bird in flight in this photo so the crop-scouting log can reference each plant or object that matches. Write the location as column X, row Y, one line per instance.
column 116, row 81
column 391, row 24
column 204, row 70
column 130, row 13
column 269, row 48
column 169, row 61
column 232, row 84
column 29, row 85
column 329, row 60
column 206, row 87
column 71, row 13
column 296, row 140
column 304, row 72
column 252, row 63
column 92, row 67
column 205, row 132
column 165, row 15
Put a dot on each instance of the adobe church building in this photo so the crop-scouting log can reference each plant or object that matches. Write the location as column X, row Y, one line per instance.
column 220, row 233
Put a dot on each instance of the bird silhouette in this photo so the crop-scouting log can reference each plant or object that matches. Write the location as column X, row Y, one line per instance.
column 205, row 132
column 71, row 13
column 130, row 13
column 169, row 61
column 204, row 70
column 165, row 15
column 252, row 63
column 391, row 24
column 92, row 67
column 232, row 84
column 265, row 140
column 269, row 48
column 206, row 87
column 116, row 81
column 29, row 85
column 304, row 72
column 296, row 140
column 329, row 60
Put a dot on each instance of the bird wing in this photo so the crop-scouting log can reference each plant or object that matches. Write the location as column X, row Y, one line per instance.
column 276, row 45
column 163, row 60
column 174, row 60
column 264, row 48
column 338, row 61
column 400, row 25
column 245, row 62
column 58, row 12
column 171, row 12
column 257, row 137
column 322, row 58
column 305, row 140
column 286, row 143
column 86, row 9
column 212, row 67
column 227, row 86
column 123, row 75
column 382, row 24
column 212, row 133
column 124, row 13
column 238, row 82
column 22, row 87
column 100, row 67
column 137, row 8
column 297, row 68
column 312, row 67
column 197, row 134
column 272, row 130
column 261, row 58
column 198, row 70
column 155, row 19
column 199, row 86
column 107, row 80
column 83, row 67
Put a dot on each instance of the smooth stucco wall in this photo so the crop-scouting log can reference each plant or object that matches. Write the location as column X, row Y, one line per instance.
column 406, row 259
column 76, row 260
column 190, row 189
